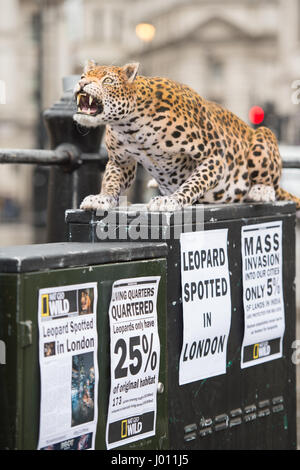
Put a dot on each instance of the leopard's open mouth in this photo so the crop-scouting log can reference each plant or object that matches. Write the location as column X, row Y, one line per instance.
column 86, row 104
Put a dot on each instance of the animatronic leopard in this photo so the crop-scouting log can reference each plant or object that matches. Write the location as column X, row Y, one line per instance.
column 196, row 150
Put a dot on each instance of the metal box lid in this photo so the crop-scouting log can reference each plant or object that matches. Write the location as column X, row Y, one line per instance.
column 40, row 257
column 204, row 212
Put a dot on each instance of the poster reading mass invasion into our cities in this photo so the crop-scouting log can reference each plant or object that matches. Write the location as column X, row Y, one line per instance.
column 262, row 293
column 135, row 356
column 206, row 304
column 69, row 370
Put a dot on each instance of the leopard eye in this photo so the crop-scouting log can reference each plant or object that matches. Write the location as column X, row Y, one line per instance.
column 107, row 81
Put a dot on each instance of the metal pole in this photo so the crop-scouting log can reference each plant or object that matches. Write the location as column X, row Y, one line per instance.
column 63, row 155
column 38, row 157
column 291, row 163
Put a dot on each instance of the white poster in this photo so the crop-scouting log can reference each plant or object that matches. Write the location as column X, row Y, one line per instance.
column 68, row 364
column 135, row 355
column 262, row 293
column 206, row 304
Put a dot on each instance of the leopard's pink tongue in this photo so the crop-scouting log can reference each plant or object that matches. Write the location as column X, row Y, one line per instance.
column 89, row 109
column 87, row 104
column 93, row 109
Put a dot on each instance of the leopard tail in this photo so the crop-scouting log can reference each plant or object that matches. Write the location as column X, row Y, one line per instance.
column 282, row 195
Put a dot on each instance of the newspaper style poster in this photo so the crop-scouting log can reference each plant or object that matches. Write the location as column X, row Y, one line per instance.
column 262, row 293
column 135, row 356
column 206, row 304
column 68, row 364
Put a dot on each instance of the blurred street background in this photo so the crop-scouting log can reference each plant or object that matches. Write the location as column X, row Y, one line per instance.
column 240, row 53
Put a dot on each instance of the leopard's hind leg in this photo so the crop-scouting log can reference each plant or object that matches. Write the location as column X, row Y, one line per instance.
column 264, row 166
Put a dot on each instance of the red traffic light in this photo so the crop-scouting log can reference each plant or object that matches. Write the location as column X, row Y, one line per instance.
column 256, row 115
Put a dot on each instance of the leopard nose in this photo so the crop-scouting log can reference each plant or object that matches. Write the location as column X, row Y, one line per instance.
column 80, row 85
column 77, row 88
column 83, row 82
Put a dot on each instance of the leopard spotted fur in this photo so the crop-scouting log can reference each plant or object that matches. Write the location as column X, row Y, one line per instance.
column 196, row 150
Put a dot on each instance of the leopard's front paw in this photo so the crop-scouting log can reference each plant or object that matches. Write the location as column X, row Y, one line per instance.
column 98, row 202
column 164, row 203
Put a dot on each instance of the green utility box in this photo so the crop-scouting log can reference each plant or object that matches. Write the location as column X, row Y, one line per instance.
column 65, row 310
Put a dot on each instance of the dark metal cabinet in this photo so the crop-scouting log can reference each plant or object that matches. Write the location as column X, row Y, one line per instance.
column 253, row 408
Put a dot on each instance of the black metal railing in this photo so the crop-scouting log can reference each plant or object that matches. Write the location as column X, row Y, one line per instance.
column 291, row 162
column 61, row 156
column 66, row 156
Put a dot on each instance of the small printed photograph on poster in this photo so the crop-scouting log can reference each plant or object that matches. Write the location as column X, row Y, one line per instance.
column 83, row 388
column 206, row 304
column 83, row 442
column 49, row 349
column 85, row 301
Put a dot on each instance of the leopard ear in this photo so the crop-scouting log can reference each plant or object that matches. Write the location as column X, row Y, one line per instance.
column 131, row 71
column 89, row 65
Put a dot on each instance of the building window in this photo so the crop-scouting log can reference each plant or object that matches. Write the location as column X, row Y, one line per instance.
column 98, row 19
column 298, row 20
column 36, row 27
column 117, row 21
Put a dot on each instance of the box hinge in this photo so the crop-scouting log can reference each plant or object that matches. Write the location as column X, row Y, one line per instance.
column 25, row 333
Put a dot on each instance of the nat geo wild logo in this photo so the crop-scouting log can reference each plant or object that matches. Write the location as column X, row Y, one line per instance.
column 54, row 305
column 131, row 427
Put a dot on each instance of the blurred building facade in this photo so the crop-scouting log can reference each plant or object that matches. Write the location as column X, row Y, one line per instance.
column 237, row 52
column 31, row 49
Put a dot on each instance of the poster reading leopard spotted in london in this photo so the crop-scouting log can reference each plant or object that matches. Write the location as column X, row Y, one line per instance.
column 206, row 302
column 262, row 293
column 68, row 345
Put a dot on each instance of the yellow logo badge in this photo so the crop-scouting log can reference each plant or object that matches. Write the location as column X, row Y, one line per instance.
column 124, row 428
column 45, row 305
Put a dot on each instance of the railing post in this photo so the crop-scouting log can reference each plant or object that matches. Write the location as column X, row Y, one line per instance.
column 68, row 185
